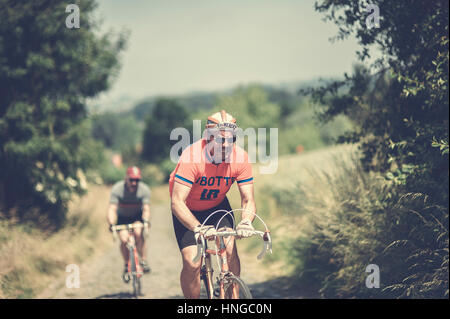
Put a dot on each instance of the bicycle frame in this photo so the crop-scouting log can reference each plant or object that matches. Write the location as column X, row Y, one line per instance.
column 206, row 274
column 134, row 266
column 220, row 253
column 131, row 245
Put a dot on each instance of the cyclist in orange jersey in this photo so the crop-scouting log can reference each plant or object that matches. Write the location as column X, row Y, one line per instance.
column 198, row 186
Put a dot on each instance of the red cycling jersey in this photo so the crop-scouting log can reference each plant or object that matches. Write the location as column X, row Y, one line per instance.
column 209, row 182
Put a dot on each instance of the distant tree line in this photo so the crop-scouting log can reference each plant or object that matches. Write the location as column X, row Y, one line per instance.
column 254, row 106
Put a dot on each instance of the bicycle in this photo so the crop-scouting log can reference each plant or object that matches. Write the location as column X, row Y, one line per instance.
column 135, row 270
column 230, row 286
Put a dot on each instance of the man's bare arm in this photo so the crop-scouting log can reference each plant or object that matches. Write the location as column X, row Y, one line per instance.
column 146, row 212
column 248, row 201
column 112, row 214
column 180, row 193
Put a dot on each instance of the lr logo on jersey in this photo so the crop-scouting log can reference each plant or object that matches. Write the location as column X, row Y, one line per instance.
column 208, row 194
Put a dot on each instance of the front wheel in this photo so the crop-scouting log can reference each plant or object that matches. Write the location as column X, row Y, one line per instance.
column 235, row 288
column 137, row 286
column 137, row 289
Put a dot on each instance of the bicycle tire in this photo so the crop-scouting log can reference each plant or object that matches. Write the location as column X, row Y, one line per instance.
column 204, row 279
column 208, row 277
column 244, row 291
column 136, row 283
column 137, row 287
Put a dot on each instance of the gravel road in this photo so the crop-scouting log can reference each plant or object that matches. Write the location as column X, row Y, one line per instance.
column 100, row 276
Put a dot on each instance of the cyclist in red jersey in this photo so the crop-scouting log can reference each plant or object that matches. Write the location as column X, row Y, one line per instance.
column 198, row 186
column 130, row 203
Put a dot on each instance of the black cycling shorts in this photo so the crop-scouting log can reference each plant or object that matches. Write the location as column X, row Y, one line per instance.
column 185, row 237
column 121, row 220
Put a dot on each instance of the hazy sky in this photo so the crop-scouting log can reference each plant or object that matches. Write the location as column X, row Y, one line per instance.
column 201, row 45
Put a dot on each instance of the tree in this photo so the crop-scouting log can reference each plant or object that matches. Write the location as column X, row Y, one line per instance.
column 47, row 71
column 166, row 115
column 401, row 101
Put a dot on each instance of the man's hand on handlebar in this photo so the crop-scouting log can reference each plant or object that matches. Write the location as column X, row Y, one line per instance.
column 245, row 228
column 206, row 231
column 146, row 227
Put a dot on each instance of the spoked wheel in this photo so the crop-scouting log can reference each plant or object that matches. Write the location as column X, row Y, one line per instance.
column 137, row 291
column 206, row 276
column 137, row 287
column 206, row 282
column 234, row 284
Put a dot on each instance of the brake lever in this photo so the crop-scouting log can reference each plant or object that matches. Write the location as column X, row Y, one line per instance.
column 267, row 245
column 114, row 235
column 200, row 248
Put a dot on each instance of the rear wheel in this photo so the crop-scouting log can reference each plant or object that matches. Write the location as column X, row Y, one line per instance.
column 234, row 283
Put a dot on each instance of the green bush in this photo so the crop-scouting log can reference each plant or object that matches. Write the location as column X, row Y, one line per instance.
column 111, row 174
column 307, row 136
column 167, row 167
column 117, row 131
column 152, row 175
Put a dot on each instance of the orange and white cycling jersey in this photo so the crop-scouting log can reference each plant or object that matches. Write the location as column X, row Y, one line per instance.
column 209, row 182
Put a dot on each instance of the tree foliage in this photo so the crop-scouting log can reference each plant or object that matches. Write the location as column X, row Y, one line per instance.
column 47, row 71
column 400, row 102
column 400, row 107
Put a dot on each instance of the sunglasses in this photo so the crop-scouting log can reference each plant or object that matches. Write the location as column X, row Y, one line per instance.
column 134, row 180
column 222, row 140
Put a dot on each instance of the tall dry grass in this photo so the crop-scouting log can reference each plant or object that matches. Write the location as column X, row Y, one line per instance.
column 274, row 193
column 352, row 218
column 32, row 259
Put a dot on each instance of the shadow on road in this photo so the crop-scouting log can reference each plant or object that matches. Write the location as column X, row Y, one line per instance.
column 277, row 288
column 280, row 288
column 120, row 295
column 176, row 297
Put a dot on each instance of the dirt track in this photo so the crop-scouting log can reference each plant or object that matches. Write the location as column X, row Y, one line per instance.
column 100, row 276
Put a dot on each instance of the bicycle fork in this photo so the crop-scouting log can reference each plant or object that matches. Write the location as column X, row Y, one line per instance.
column 206, row 274
column 224, row 273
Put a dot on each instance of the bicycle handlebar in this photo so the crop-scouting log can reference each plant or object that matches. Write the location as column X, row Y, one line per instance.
column 116, row 228
column 267, row 242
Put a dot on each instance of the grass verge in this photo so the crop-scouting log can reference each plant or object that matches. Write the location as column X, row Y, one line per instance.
column 348, row 219
column 32, row 259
